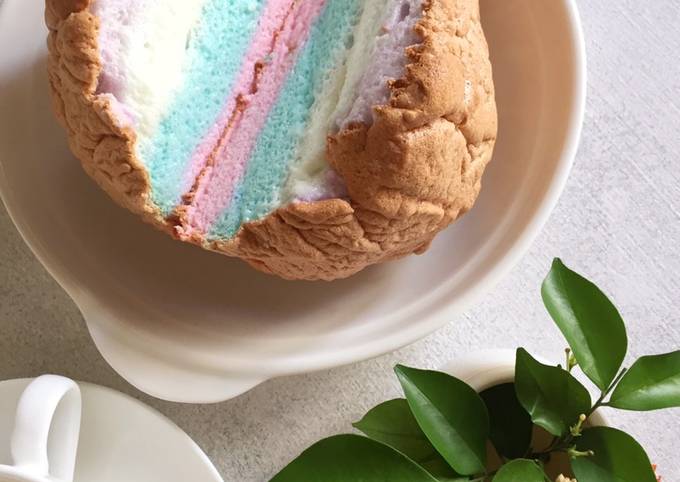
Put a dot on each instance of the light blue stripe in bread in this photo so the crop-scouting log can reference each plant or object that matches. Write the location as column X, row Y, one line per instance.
column 217, row 48
column 267, row 170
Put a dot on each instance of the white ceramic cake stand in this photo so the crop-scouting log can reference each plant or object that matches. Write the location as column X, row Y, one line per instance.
column 188, row 325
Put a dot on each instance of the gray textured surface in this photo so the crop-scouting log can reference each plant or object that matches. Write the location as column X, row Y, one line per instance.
column 618, row 221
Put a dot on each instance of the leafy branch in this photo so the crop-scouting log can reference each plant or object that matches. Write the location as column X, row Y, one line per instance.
column 440, row 430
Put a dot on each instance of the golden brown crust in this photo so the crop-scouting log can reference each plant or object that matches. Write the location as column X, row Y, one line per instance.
column 409, row 175
column 105, row 149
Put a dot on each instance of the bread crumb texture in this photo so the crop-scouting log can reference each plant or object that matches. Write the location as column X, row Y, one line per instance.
column 417, row 168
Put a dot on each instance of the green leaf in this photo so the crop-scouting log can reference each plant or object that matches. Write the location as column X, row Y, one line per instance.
column 618, row 458
column 442, row 471
column 552, row 396
column 393, row 424
column 520, row 470
column 652, row 383
column 451, row 414
column 352, row 457
column 589, row 321
column 511, row 425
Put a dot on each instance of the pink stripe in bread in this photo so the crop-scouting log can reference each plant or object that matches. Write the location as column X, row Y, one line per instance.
column 216, row 184
column 272, row 18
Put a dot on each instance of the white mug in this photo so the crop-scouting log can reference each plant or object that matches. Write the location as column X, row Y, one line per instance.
column 46, row 429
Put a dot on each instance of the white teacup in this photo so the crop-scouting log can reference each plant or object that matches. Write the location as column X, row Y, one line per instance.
column 46, row 429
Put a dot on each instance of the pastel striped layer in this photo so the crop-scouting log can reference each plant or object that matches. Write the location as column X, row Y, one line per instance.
column 232, row 100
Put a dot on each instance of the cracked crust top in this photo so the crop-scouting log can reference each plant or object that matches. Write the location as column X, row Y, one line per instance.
column 410, row 174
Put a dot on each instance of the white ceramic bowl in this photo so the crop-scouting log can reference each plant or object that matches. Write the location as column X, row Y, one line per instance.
column 188, row 325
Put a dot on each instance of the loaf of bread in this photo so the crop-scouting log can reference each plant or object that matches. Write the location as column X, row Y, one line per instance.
column 311, row 138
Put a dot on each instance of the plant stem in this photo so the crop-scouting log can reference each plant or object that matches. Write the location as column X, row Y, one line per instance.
column 568, row 365
column 552, row 445
column 600, row 402
column 564, row 444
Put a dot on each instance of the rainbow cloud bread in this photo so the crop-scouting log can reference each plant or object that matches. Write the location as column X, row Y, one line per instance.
column 311, row 138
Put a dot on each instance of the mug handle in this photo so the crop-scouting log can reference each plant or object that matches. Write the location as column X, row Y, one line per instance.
column 49, row 410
